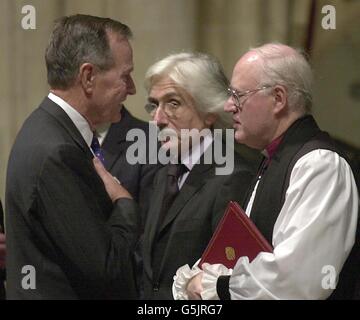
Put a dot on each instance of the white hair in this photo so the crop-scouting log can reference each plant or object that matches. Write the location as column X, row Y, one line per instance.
column 287, row 66
column 201, row 75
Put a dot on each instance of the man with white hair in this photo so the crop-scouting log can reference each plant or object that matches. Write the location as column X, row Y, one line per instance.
column 187, row 91
column 304, row 199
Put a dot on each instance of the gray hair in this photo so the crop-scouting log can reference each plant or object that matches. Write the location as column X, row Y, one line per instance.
column 287, row 66
column 201, row 75
column 76, row 40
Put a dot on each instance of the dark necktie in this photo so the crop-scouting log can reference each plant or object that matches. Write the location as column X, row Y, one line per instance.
column 174, row 171
column 95, row 146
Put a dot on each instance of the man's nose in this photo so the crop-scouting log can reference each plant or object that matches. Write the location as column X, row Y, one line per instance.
column 131, row 89
column 160, row 117
column 229, row 105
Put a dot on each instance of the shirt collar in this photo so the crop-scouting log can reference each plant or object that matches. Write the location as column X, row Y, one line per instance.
column 102, row 132
column 270, row 150
column 79, row 121
column 191, row 158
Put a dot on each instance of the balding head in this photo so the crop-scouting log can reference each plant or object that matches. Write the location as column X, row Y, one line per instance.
column 270, row 89
column 278, row 64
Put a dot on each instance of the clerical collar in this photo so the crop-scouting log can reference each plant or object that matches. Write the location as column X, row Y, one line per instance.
column 270, row 150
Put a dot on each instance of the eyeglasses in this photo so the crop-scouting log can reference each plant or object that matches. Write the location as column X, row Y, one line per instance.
column 170, row 109
column 238, row 96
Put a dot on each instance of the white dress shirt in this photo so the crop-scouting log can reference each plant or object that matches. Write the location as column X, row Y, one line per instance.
column 314, row 233
column 102, row 131
column 79, row 121
column 189, row 159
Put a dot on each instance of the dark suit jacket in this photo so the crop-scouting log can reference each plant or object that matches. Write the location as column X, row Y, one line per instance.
column 59, row 218
column 189, row 224
column 136, row 178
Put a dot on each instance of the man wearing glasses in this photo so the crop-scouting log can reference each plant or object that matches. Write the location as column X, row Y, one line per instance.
column 186, row 91
column 304, row 199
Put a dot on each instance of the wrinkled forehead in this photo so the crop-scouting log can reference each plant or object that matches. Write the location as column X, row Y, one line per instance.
column 161, row 85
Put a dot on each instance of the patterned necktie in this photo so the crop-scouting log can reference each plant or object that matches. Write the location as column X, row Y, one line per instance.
column 172, row 188
column 95, row 146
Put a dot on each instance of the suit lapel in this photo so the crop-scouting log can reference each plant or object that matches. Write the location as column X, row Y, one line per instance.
column 114, row 147
column 153, row 217
column 60, row 115
column 196, row 179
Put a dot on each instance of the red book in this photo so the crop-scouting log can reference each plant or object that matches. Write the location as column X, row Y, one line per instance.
column 235, row 236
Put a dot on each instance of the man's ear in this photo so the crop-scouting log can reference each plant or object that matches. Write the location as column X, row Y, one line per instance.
column 87, row 77
column 281, row 98
column 210, row 119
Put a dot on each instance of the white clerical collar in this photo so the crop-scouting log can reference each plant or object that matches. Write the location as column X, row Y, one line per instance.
column 191, row 158
column 79, row 121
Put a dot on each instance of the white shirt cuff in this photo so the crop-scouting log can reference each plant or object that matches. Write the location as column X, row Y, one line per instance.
column 210, row 276
column 181, row 279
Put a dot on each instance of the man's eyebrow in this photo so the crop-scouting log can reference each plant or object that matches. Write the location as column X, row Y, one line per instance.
column 165, row 96
column 153, row 100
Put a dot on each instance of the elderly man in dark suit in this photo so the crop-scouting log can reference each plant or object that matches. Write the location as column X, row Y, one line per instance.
column 187, row 91
column 69, row 236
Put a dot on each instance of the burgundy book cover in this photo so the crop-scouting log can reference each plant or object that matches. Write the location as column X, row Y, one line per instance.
column 235, row 236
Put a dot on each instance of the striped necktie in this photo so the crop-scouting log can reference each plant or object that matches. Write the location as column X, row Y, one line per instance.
column 95, row 147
